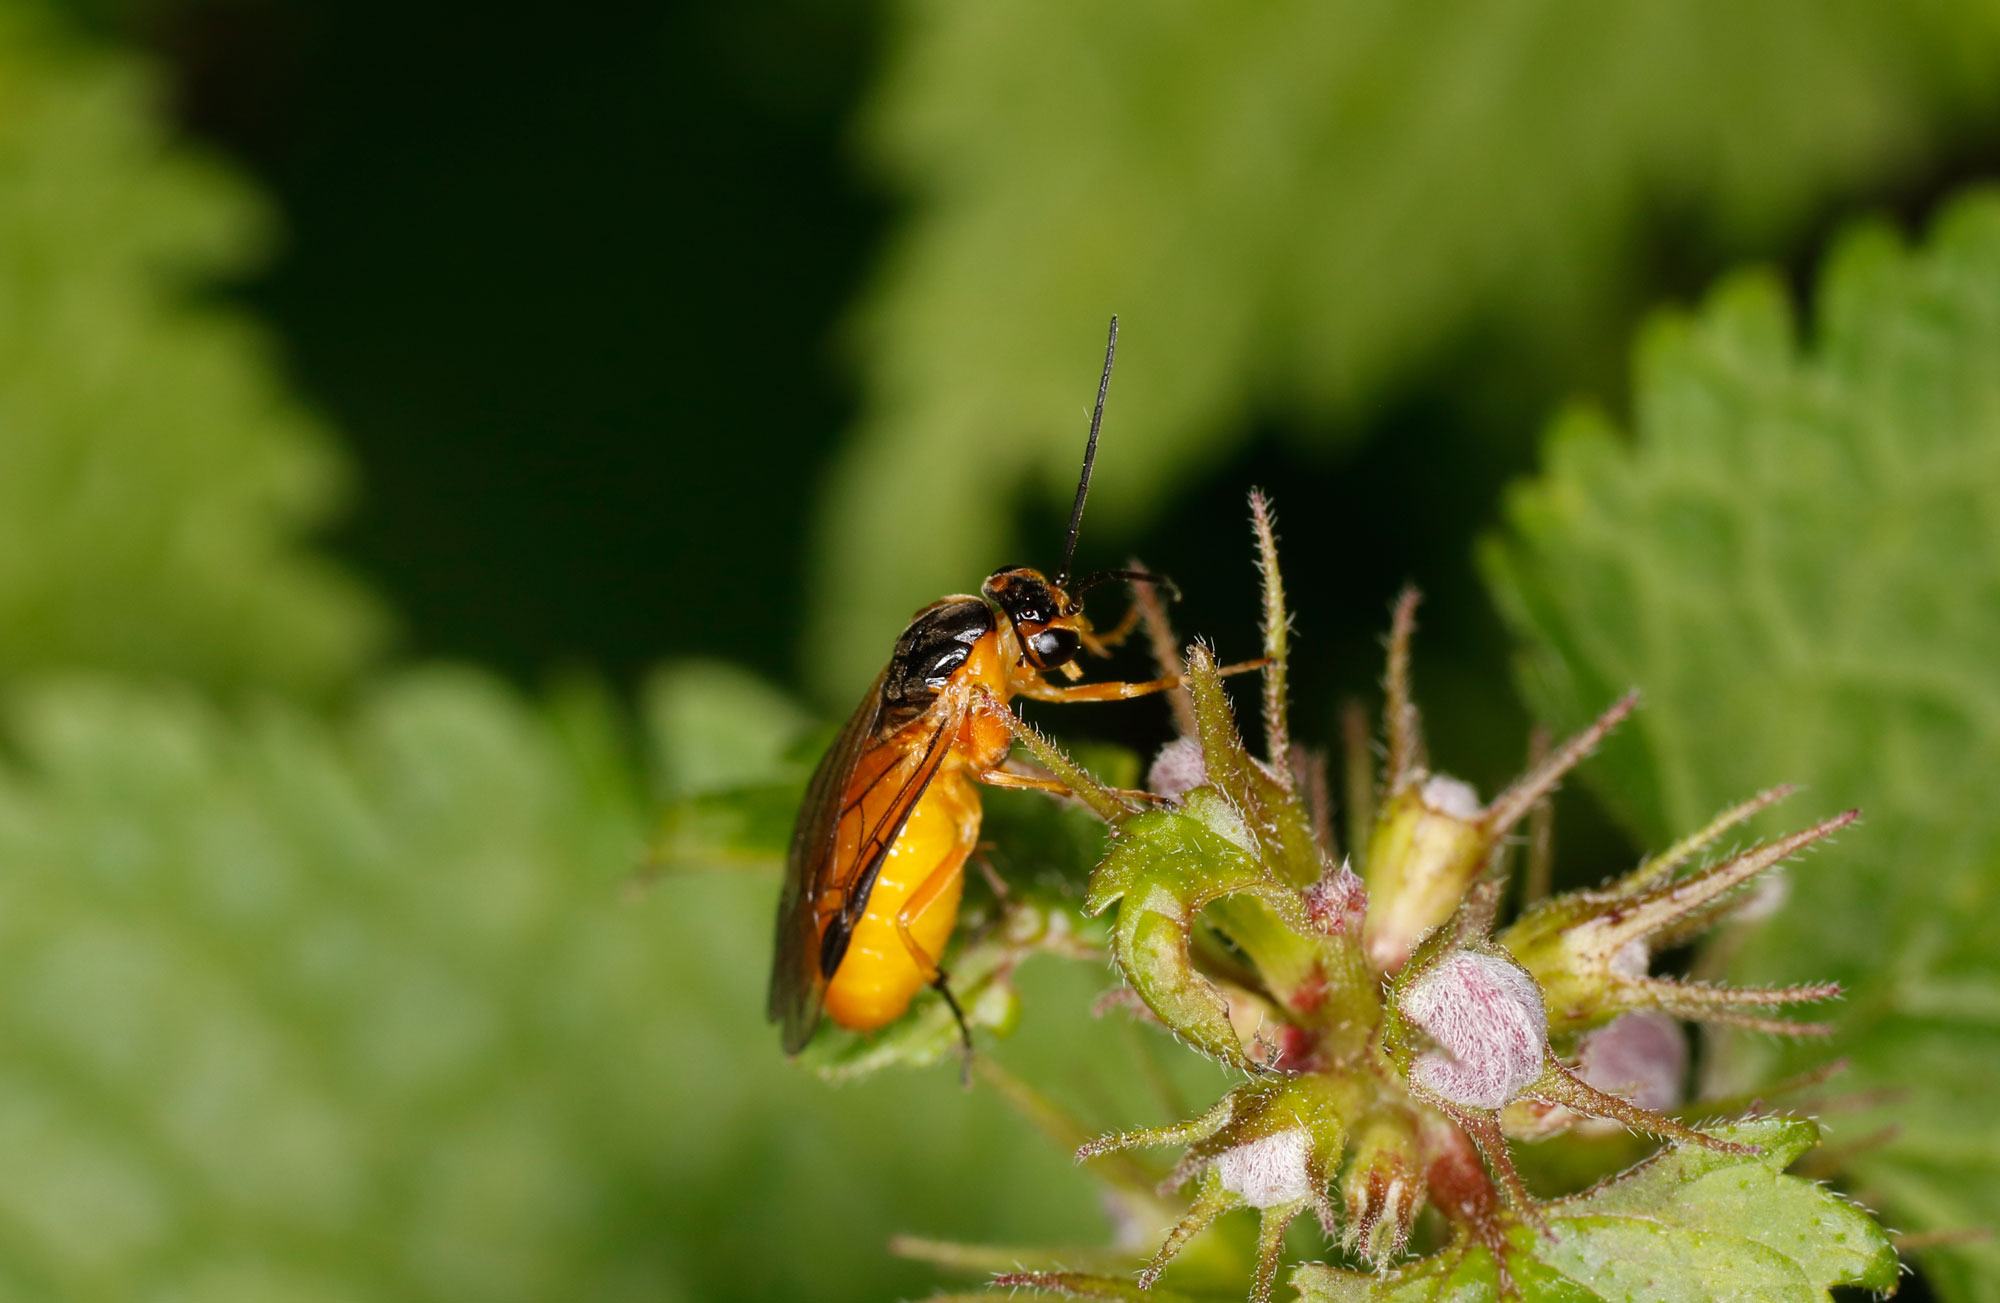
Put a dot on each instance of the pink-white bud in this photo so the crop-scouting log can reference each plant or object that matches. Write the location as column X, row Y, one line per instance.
column 1271, row 1170
column 1450, row 796
column 1486, row 1016
column 1642, row 1056
column 1178, row 769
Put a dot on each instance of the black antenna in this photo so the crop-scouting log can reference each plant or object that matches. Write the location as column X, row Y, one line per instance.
column 1089, row 456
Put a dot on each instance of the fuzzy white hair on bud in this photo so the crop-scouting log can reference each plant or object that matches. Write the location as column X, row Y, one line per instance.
column 1177, row 770
column 1486, row 1016
column 1632, row 959
column 1455, row 797
column 1642, row 1056
column 1270, row 1170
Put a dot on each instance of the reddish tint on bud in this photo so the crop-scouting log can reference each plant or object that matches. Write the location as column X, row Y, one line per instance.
column 1458, row 1183
column 1461, row 1190
column 1338, row 902
column 1485, row 1015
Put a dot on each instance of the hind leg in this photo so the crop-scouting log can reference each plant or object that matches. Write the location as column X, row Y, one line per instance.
column 944, row 878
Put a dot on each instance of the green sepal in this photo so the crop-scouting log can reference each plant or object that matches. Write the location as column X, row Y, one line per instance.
column 1164, row 866
column 1324, row 1104
column 1418, row 864
column 1271, row 813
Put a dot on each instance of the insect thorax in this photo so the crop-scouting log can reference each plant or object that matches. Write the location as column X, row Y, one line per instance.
column 937, row 642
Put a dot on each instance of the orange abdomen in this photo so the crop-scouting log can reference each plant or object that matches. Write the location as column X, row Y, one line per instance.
column 878, row 976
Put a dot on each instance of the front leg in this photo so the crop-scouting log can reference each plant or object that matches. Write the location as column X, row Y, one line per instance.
column 998, row 777
column 1101, row 642
column 1036, row 689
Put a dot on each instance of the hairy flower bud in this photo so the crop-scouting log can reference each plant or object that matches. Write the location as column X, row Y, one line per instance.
column 1485, row 1016
column 1270, row 1170
column 1178, row 769
column 1427, row 847
column 1641, row 1056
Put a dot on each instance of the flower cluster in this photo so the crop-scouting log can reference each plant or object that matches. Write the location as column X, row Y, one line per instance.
column 1393, row 1031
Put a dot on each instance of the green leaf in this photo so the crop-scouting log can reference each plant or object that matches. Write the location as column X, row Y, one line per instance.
column 1688, row 1226
column 1295, row 205
column 358, row 1010
column 156, row 474
column 1796, row 557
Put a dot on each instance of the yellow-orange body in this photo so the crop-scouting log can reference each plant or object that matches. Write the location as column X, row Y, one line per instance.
column 879, row 975
column 877, row 860
column 878, row 853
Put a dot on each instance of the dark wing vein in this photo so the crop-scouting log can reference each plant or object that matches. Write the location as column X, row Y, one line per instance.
column 875, row 846
column 794, row 998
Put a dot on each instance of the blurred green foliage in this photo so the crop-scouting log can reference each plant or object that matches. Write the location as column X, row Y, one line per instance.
column 360, row 1010
column 156, row 475
column 1297, row 205
column 1796, row 556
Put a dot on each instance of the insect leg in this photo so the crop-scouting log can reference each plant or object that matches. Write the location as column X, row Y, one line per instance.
column 943, row 988
column 927, row 892
column 1100, row 643
column 1036, row 783
column 1026, row 782
column 1038, row 691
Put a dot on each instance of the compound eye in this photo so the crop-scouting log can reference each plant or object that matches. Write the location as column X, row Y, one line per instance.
column 1055, row 646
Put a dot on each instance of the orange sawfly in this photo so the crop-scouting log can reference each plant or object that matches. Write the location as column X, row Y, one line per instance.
column 877, row 858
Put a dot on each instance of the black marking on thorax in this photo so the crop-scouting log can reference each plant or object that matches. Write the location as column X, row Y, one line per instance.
column 930, row 651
